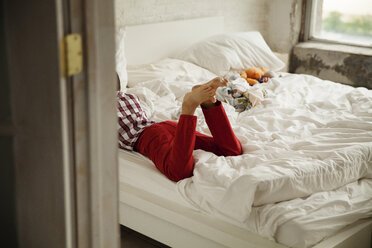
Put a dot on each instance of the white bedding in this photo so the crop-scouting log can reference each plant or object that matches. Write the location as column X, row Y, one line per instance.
column 139, row 171
column 307, row 159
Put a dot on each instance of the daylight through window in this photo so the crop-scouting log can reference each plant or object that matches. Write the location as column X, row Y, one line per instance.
column 343, row 21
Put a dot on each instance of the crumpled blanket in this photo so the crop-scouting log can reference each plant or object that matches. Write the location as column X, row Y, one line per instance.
column 240, row 94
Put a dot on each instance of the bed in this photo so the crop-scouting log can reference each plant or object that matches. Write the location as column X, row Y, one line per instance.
column 305, row 178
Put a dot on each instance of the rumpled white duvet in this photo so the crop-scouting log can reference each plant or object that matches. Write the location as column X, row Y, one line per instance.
column 306, row 170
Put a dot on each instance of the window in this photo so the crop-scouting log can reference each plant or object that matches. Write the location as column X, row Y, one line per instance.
column 341, row 21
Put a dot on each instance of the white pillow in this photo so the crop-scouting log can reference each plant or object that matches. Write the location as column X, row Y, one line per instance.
column 165, row 68
column 237, row 51
column 121, row 61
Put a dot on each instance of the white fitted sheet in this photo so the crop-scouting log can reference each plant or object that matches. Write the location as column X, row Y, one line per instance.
column 140, row 172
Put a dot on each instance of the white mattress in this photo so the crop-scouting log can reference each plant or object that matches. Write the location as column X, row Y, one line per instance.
column 138, row 171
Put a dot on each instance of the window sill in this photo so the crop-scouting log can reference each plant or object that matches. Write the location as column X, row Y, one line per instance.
column 340, row 63
column 339, row 48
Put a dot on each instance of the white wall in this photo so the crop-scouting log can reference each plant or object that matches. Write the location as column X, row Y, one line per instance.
column 240, row 15
column 283, row 24
column 277, row 20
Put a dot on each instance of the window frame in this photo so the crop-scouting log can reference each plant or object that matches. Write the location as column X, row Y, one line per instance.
column 311, row 7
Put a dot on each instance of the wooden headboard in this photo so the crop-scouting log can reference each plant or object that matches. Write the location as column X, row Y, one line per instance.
column 150, row 42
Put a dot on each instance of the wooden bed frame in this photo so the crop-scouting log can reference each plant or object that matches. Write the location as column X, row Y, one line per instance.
column 174, row 224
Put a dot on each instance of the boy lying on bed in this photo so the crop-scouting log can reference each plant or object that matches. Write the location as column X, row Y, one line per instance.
column 170, row 144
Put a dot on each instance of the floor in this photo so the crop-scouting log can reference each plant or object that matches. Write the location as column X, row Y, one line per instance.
column 133, row 239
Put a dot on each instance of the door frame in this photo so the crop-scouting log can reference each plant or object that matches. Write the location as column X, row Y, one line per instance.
column 66, row 181
column 100, row 110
